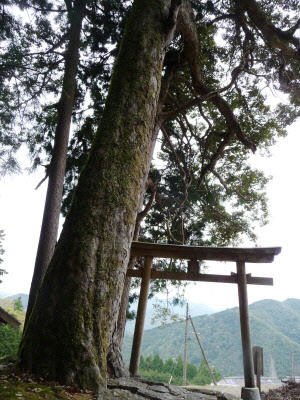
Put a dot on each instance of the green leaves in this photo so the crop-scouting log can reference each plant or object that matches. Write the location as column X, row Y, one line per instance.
column 2, row 271
column 9, row 340
column 154, row 368
column 18, row 305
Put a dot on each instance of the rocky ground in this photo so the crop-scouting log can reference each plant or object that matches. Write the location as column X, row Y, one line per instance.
column 130, row 389
column 141, row 389
column 289, row 391
column 21, row 387
column 15, row 386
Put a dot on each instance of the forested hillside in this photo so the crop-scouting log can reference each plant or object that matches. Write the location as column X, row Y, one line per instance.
column 275, row 326
column 152, row 315
column 9, row 299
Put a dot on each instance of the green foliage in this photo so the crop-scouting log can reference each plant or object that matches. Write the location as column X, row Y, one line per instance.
column 1, row 246
column 203, row 376
column 9, row 340
column 206, row 191
column 217, row 209
column 153, row 368
column 275, row 326
column 164, row 314
column 18, row 305
column 2, row 271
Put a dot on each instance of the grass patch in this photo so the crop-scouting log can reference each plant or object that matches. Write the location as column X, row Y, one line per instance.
column 20, row 390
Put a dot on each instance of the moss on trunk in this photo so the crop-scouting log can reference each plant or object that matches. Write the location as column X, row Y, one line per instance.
column 71, row 324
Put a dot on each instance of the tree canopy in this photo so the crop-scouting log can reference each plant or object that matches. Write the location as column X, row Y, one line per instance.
column 219, row 196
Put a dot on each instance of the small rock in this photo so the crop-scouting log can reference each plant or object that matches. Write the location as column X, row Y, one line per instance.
column 37, row 390
column 158, row 388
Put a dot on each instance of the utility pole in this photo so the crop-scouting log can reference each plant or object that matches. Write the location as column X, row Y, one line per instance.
column 185, row 345
column 203, row 353
column 293, row 364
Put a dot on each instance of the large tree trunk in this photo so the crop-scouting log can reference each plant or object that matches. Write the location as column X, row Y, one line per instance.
column 67, row 336
column 50, row 222
column 114, row 357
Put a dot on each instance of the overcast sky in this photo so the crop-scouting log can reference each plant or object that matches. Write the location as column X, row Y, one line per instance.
column 21, row 209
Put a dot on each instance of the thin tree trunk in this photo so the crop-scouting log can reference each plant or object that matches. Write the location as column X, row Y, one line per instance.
column 50, row 222
column 73, row 319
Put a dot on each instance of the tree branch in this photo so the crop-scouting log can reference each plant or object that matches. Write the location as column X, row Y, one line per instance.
column 215, row 157
column 221, row 18
column 274, row 36
column 142, row 214
column 163, row 129
column 192, row 51
column 223, row 183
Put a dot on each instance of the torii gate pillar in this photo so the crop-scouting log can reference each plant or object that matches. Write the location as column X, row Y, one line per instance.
column 140, row 318
column 250, row 391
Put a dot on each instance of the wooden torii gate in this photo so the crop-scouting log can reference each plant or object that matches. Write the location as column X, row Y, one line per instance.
column 195, row 254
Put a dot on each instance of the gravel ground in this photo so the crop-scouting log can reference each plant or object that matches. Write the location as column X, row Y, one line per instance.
column 234, row 390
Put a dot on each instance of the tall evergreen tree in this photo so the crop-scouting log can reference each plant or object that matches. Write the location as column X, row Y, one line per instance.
column 56, row 168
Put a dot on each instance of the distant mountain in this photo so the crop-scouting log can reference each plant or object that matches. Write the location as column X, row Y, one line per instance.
column 194, row 309
column 4, row 294
column 24, row 298
column 275, row 326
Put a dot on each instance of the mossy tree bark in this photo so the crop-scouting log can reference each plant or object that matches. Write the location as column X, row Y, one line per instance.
column 67, row 336
column 114, row 356
column 115, row 348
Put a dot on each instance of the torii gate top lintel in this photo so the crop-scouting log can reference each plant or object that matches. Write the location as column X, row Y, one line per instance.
column 249, row 255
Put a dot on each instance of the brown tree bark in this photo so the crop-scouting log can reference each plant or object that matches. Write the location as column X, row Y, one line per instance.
column 67, row 336
column 50, row 222
column 115, row 360
column 285, row 41
column 114, row 357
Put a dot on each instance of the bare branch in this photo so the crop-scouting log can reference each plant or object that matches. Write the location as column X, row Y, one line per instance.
column 63, row 39
column 142, row 214
column 215, row 157
column 228, row 190
column 221, row 18
column 47, row 170
column 170, row 144
column 170, row 234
